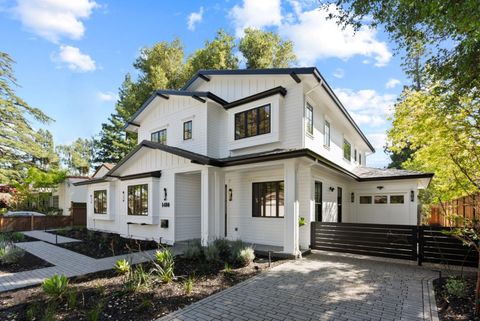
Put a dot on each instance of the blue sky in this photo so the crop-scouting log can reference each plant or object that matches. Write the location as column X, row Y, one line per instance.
column 71, row 56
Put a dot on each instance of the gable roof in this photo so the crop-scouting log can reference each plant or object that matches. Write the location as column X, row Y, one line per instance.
column 361, row 174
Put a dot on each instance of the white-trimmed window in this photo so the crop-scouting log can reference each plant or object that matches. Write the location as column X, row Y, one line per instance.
column 326, row 134
column 347, row 150
column 138, row 199
column 309, row 119
column 252, row 122
column 380, row 199
column 360, row 158
column 397, row 199
column 100, row 202
column 159, row 136
column 187, row 130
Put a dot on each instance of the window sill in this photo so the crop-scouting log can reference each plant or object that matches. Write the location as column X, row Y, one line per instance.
column 143, row 219
column 309, row 135
column 326, row 147
column 102, row 217
column 268, row 217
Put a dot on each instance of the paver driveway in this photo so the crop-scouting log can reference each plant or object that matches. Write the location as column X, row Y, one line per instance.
column 322, row 287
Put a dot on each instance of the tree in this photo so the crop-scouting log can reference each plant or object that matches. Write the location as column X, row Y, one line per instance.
column 264, row 49
column 448, row 27
column 19, row 146
column 78, row 156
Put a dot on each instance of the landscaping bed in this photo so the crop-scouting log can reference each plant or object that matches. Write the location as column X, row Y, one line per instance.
column 451, row 307
column 100, row 244
column 14, row 259
column 104, row 295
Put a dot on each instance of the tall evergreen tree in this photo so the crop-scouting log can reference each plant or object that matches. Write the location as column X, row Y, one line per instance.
column 19, row 147
column 78, row 156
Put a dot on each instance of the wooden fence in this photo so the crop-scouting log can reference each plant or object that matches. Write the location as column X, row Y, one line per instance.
column 408, row 242
column 467, row 207
column 77, row 217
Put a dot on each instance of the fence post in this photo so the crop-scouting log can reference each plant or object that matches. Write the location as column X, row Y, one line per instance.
column 420, row 244
column 32, row 223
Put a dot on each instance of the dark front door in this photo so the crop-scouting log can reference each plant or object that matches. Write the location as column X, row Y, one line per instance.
column 318, row 201
column 226, row 206
column 339, row 204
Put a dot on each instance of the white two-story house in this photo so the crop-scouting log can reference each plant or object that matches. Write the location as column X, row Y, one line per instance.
column 244, row 154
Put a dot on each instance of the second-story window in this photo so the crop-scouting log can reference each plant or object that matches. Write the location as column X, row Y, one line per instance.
column 309, row 119
column 355, row 155
column 252, row 122
column 187, row 130
column 360, row 158
column 326, row 136
column 347, row 150
column 160, row 136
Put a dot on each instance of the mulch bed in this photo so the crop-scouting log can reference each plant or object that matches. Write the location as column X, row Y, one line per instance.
column 100, row 244
column 104, row 292
column 28, row 262
column 452, row 309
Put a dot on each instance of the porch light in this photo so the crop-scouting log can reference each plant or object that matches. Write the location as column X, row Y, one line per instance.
column 123, row 196
column 164, row 194
column 412, row 196
column 331, row 188
column 380, row 187
column 352, row 197
column 230, row 194
column 90, row 198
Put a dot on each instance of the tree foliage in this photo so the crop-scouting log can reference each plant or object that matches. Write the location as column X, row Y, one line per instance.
column 263, row 49
column 21, row 147
column 164, row 66
column 78, row 156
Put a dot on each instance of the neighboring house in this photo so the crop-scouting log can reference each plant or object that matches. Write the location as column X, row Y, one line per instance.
column 243, row 154
column 66, row 193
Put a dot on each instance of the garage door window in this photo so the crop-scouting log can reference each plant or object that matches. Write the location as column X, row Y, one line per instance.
column 381, row 199
column 397, row 199
column 365, row 200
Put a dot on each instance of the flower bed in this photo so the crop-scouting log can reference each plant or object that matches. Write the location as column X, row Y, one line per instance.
column 100, row 244
column 452, row 308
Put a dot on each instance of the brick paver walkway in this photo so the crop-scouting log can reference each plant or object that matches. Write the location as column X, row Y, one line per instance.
column 66, row 262
column 49, row 237
column 323, row 287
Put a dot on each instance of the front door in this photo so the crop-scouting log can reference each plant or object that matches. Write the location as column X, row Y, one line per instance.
column 226, row 206
column 339, row 204
column 318, row 201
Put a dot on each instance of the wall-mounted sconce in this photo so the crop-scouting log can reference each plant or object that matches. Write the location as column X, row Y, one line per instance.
column 331, row 188
column 164, row 194
column 90, row 198
column 380, row 187
column 352, row 197
column 123, row 196
column 412, row 196
column 230, row 194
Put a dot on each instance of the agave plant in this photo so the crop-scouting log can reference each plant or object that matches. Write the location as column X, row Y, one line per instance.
column 55, row 287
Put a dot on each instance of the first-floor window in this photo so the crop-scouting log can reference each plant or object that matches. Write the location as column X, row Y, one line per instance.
column 397, row 199
column 365, row 200
column 100, row 202
column 268, row 199
column 138, row 199
column 380, row 199
column 187, row 130
column 55, row 201
column 347, row 150
column 318, row 201
column 160, row 136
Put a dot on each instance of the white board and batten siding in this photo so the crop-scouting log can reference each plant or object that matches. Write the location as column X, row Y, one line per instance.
column 187, row 206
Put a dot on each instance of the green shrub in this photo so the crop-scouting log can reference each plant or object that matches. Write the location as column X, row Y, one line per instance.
column 224, row 248
column 188, row 285
column 12, row 237
column 164, row 257
column 193, row 250
column 55, row 287
column 122, row 266
column 50, row 313
column 32, row 312
column 137, row 278
column 228, row 268
column 456, row 287
column 72, row 300
column 211, row 253
column 9, row 253
column 242, row 255
column 95, row 312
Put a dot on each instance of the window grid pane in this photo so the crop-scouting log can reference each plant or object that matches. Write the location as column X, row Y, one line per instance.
column 347, row 150
column 268, row 199
column 326, row 136
column 309, row 119
column 252, row 122
column 100, row 202
column 187, row 130
column 137, row 199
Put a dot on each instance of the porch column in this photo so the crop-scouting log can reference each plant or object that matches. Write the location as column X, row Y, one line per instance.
column 290, row 241
column 212, row 211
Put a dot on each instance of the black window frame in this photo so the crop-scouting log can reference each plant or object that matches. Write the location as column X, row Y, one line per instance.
column 155, row 136
column 242, row 118
column 347, row 143
column 327, row 138
column 100, row 201
column 187, row 131
column 318, row 199
column 309, row 119
column 359, row 158
column 259, row 201
column 138, row 208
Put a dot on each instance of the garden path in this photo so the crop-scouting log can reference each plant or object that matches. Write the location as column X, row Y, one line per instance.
column 49, row 237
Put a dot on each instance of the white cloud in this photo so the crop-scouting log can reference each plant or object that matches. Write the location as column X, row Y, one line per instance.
column 256, row 14
column 339, row 73
column 107, row 96
column 194, row 18
column 316, row 37
column 367, row 106
column 392, row 83
column 75, row 59
column 53, row 19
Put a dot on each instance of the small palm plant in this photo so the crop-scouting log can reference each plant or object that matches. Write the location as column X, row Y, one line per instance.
column 56, row 287
column 164, row 265
column 122, row 267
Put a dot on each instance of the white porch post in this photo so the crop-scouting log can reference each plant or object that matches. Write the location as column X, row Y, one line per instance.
column 212, row 185
column 290, row 242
